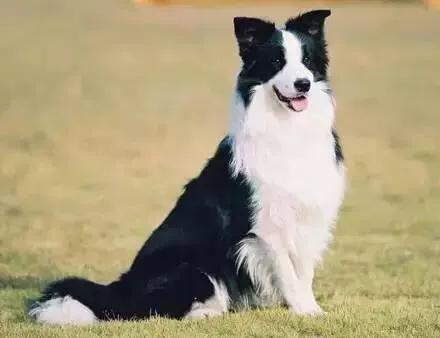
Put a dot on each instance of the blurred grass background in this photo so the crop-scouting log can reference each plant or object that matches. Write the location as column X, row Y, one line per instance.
column 107, row 109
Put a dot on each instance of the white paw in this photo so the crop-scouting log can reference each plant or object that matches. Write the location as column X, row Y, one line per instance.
column 308, row 309
column 201, row 312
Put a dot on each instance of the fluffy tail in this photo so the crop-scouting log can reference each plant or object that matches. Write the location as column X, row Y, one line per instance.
column 75, row 301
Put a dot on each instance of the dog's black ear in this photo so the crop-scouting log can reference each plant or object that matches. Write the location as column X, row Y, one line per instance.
column 310, row 23
column 251, row 32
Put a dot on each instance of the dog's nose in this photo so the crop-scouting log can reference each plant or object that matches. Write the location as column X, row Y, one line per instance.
column 302, row 85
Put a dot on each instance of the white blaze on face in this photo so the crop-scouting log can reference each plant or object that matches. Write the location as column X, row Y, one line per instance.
column 294, row 68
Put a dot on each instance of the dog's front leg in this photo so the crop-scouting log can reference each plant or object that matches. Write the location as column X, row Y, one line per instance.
column 291, row 276
column 296, row 289
column 304, row 270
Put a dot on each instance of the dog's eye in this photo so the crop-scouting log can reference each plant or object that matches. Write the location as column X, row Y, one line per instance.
column 306, row 60
column 277, row 63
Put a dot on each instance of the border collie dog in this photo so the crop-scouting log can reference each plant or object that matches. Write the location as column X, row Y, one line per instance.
column 250, row 229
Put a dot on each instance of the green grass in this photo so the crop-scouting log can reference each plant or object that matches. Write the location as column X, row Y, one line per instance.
column 100, row 99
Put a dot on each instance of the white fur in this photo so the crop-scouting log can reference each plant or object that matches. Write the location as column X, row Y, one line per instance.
column 294, row 68
column 216, row 305
column 62, row 311
column 289, row 160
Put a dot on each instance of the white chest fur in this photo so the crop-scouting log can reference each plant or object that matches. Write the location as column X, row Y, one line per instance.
column 298, row 186
column 289, row 159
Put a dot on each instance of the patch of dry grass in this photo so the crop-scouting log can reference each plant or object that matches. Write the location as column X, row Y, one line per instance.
column 106, row 109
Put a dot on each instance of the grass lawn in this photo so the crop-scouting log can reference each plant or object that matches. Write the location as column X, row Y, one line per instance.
column 106, row 109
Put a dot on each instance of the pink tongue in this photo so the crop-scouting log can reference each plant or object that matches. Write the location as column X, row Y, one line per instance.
column 299, row 104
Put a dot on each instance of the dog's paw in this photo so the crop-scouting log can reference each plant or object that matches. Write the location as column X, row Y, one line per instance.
column 308, row 309
column 203, row 313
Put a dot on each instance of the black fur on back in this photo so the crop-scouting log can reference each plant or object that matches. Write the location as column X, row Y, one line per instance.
column 198, row 237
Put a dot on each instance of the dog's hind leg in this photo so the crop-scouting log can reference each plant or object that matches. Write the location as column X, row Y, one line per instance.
column 184, row 292
column 217, row 304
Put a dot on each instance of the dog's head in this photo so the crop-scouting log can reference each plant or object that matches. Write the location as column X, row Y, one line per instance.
column 289, row 61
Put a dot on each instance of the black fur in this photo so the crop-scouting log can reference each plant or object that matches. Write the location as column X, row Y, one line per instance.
column 309, row 29
column 263, row 55
column 338, row 148
column 198, row 237
column 214, row 213
column 262, row 52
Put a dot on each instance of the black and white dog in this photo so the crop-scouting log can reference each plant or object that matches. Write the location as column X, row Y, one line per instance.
column 250, row 229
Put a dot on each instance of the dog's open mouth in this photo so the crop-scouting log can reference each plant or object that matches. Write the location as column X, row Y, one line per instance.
column 296, row 103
